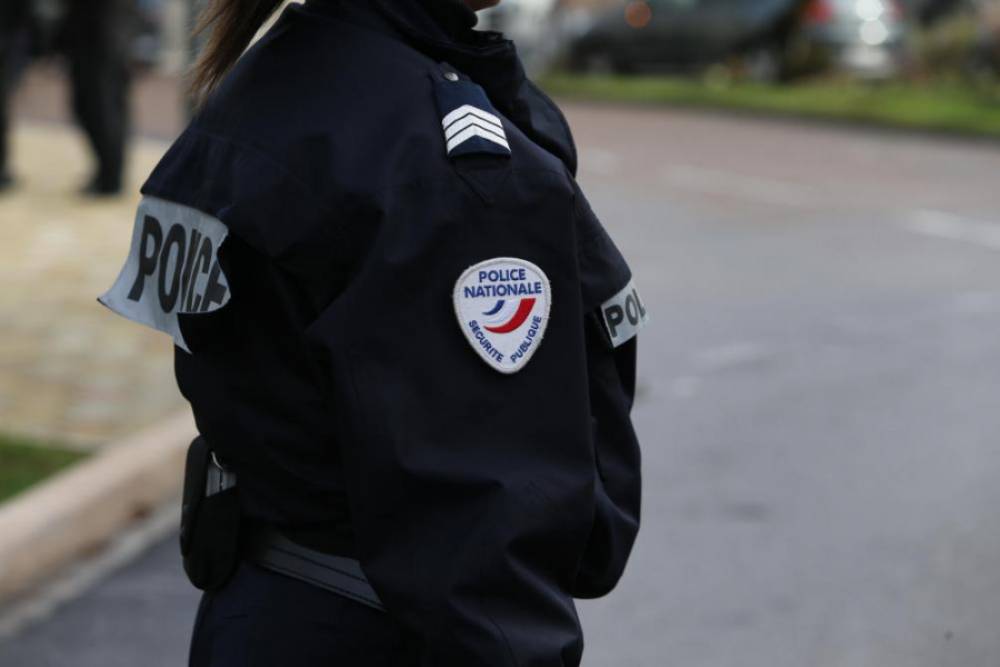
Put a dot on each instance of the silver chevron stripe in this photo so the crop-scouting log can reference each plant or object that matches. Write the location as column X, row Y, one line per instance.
column 460, row 125
column 467, row 122
column 467, row 109
column 475, row 131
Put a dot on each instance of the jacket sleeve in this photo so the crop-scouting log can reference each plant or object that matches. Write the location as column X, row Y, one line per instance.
column 473, row 493
column 606, row 284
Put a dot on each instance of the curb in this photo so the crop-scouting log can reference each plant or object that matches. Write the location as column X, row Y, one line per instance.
column 79, row 510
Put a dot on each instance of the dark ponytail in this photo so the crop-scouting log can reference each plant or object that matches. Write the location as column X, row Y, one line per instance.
column 229, row 25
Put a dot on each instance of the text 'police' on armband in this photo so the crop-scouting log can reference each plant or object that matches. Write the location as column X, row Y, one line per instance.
column 624, row 315
column 172, row 268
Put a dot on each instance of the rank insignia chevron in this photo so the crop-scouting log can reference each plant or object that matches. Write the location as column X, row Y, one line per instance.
column 471, row 125
column 468, row 122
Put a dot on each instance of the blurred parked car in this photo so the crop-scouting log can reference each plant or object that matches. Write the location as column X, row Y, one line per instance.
column 927, row 12
column 773, row 38
column 527, row 23
column 865, row 37
column 987, row 50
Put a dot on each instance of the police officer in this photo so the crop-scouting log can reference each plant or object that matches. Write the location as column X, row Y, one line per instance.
column 408, row 342
column 96, row 36
column 15, row 21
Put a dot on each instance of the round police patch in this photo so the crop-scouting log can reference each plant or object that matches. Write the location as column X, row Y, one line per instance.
column 502, row 305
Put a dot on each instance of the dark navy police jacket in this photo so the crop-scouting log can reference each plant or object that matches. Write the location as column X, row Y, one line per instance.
column 399, row 320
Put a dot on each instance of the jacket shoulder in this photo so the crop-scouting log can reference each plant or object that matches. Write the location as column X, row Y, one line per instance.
column 314, row 117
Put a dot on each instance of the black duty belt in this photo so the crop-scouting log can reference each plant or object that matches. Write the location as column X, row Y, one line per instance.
column 337, row 574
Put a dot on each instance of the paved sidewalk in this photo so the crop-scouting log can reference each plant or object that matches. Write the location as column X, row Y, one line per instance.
column 156, row 100
column 69, row 369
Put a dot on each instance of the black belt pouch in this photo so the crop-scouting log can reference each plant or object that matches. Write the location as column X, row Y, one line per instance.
column 210, row 519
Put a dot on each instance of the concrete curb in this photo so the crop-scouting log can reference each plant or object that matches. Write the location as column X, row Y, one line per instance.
column 79, row 510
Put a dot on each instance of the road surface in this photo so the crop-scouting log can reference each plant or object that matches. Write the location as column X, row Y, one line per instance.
column 817, row 408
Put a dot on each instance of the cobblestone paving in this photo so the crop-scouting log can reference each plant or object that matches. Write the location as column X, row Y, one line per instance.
column 70, row 370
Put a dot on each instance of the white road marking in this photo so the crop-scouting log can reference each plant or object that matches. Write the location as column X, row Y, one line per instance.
column 732, row 355
column 82, row 576
column 722, row 183
column 943, row 225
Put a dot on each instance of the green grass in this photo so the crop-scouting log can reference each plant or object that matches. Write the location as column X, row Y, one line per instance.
column 23, row 463
column 936, row 107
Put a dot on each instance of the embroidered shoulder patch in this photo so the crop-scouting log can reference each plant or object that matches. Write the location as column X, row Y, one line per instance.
column 470, row 122
column 172, row 268
column 624, row 315
column 502, row 305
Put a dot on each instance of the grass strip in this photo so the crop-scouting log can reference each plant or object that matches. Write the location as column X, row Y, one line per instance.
column 23, row 463
column 936, row 107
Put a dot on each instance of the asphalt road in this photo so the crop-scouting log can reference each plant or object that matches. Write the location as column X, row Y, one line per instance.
column 817, row 407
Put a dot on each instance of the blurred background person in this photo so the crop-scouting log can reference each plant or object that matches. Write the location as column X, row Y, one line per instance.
column 96, row 37
column 14, row 30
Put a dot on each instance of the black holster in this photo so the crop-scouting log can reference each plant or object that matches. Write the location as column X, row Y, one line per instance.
column 210, row 519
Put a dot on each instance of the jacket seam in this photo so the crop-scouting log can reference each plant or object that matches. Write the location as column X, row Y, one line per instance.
column 270, row 159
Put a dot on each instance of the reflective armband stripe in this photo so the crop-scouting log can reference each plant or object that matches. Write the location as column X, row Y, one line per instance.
column 624, row 315
column 172, row 268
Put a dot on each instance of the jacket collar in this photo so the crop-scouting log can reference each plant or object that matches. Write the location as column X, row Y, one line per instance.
column 443, row 30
